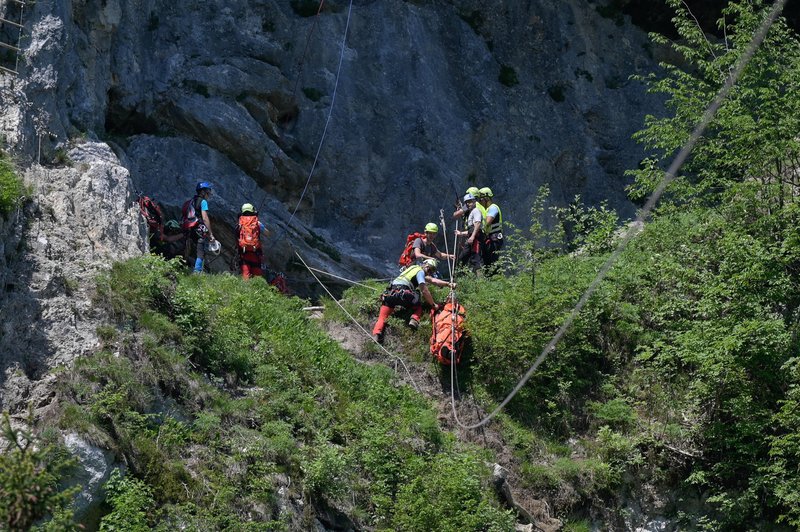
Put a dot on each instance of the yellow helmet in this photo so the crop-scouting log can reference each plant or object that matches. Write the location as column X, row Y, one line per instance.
column 248, row 207
column 431, row 228
column 474, row 191
column 430, row 262
column 486, row 192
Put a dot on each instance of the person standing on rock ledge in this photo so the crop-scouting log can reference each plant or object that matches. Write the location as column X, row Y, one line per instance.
column 251, row 230
column 472, row 249
column 197, row 224
column 492, row 226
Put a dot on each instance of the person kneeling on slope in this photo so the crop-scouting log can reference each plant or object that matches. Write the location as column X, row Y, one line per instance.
column 407, row 290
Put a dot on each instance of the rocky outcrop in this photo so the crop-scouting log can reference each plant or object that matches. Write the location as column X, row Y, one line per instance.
column 78, row 220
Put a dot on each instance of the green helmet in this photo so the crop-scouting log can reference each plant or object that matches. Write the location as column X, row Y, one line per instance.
column 486, row 192
column 248, row 207
column 474, row 191
column 430, row 262
column 431, row 228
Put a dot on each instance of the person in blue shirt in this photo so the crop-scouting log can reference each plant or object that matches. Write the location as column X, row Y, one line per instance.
column 493, row 227
column 197, row 224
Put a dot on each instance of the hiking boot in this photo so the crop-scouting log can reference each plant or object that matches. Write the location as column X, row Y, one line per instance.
column 413, row 323
column 378, row 337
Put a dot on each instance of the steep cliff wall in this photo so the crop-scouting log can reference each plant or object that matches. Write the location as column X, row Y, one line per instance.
column 433, row 97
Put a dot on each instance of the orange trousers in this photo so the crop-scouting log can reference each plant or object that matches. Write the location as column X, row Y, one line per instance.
column 385, row 312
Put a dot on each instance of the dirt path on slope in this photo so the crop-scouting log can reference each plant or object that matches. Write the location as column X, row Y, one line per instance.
column 434, row 383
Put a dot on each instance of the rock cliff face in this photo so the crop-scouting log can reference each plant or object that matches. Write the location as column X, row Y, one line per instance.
column 433, row 97
column 116, row 97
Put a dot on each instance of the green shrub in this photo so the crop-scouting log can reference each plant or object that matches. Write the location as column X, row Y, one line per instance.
column 11, row 188
column 30, row 474
column 131, row 502
column 446, row 494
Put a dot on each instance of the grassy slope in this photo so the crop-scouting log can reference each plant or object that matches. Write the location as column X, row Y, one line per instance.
column 680, row 376
column 226, row 404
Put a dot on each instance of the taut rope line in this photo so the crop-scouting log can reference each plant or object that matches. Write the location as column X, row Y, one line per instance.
column 328, row 120
column 669, row 176
column 397, row 358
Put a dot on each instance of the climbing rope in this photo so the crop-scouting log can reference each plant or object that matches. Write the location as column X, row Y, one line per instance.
column 343, row 279
column 395, row 357
column 669, row 176
column 298, row 76
column 301, row 62
column 328, row 120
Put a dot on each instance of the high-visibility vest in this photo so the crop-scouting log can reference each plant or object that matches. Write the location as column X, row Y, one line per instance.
column 497, row 223
column 408, row 277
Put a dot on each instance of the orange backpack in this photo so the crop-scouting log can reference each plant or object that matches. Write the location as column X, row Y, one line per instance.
column 249, row 233
column 448, row 336
column 407, row 256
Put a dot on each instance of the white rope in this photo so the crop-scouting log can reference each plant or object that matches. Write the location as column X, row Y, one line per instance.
column 328, row 120
column 397, row 358
column 669, row 176
column 343, row 279
column 446, row 247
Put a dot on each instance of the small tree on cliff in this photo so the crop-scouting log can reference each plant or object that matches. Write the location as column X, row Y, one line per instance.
column 754, row 135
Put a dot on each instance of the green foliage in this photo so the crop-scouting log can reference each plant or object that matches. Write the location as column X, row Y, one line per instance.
column 753, row 135
column 11, row 188
column 277, row 398
column 590, row 229
column 30, row 470
column 131, row 501
column 130, row 288
column 446, row 495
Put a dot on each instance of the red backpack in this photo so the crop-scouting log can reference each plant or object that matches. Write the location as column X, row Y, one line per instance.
column 249, row 233
column 189, row 219
column 407, row 257
column 152, row 214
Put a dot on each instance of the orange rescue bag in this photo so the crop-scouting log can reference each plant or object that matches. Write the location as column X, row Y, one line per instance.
column 448, row 336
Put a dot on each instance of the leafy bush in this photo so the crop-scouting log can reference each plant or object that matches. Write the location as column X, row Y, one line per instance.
column 446, row 495
column 131, row 501
column 30, row 472
column 11, row 188
column 276, row 397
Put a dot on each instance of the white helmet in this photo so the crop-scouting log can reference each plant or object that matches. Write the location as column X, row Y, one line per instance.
column 214, row 247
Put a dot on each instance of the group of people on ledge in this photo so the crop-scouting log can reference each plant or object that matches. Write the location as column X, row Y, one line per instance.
column 482, row 229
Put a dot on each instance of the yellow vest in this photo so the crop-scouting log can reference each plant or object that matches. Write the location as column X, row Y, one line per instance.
column 408, row 277
column 497, row 224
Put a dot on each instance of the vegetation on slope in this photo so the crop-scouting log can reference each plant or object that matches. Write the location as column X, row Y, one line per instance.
column 10, row 186
column 682, row 371
column 225, row 404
